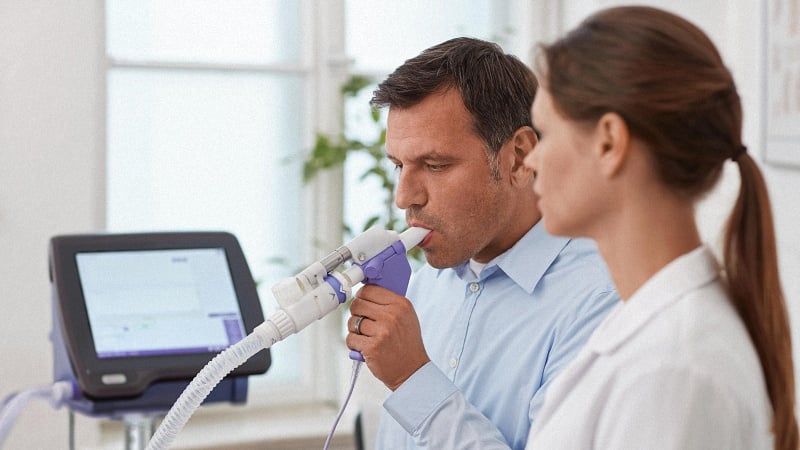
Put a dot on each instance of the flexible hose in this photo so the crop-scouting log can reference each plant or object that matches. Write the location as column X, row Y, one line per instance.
column 353, row 378
column 12, row 406
column 205, row 381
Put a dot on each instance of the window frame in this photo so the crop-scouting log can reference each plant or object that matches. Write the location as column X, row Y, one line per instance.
column 323, row 67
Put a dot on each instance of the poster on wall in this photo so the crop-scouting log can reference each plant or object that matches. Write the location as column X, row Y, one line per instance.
column 782, row 98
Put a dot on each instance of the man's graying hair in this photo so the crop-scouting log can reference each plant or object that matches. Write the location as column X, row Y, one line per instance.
column 497, row 88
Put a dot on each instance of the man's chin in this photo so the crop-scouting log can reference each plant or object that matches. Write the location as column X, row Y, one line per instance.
column 439, row 263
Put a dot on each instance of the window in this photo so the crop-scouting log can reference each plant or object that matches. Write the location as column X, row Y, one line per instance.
column 207, row 121
column 211, row 107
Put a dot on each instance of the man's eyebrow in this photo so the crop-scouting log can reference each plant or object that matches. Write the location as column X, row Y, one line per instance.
column 429, row 155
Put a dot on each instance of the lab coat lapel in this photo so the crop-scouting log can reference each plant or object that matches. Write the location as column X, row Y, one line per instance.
column 667, row 287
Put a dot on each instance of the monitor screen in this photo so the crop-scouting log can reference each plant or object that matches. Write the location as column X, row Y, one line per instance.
column 159, row 302
column 136, row 309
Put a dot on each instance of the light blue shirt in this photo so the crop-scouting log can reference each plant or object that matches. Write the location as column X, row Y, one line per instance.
column 496, row 340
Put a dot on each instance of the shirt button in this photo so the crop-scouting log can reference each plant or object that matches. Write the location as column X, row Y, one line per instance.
column 474, row 287
column 453, row 362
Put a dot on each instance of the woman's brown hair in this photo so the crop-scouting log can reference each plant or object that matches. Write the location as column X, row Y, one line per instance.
column 667, row 80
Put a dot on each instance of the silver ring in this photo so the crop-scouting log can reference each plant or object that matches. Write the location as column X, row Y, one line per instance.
column 357, row 324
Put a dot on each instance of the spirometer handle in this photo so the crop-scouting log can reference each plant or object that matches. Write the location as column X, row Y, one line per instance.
column 389, row 269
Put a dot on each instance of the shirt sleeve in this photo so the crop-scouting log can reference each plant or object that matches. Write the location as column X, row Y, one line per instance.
column 436, row 415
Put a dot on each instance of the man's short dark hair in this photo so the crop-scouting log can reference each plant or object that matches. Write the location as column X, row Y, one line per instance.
column 497, row 88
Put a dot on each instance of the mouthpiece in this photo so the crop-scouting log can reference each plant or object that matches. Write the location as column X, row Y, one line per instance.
column 413, row 236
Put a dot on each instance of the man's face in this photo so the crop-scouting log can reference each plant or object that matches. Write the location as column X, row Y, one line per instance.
column 444, row 182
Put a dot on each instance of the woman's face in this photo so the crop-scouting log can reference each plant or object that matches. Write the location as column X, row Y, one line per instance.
column 567, row 177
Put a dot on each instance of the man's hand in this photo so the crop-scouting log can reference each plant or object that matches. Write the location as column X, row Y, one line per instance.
column 390, row 338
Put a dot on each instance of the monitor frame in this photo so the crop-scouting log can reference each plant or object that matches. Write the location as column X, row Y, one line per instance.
column 119, row 377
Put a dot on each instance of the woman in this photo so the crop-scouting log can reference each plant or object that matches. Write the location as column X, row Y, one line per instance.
column 637, row 115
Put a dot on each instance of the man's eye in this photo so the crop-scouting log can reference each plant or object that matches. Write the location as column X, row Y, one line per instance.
column 437, row 167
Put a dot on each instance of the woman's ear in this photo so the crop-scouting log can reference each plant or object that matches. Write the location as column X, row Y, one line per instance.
column 524, row 141
column 613, row 143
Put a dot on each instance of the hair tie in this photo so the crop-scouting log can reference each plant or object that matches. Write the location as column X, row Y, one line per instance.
column 740, row 150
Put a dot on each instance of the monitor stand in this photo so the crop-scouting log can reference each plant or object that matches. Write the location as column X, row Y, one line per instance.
column 139, row 428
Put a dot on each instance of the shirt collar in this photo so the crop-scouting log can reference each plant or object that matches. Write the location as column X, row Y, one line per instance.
column 526, row 262
column 686, row 273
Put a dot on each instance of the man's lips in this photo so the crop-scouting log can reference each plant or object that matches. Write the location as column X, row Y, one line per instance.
column 425, row 240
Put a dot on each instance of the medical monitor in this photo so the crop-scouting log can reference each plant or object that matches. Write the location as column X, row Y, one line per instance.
column 137, row 309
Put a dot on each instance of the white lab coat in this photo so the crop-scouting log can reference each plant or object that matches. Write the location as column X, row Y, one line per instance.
column 671, row 368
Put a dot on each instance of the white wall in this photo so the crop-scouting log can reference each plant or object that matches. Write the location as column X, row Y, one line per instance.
column 51, row 174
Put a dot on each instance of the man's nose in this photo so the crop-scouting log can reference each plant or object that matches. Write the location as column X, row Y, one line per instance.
column 410, row 190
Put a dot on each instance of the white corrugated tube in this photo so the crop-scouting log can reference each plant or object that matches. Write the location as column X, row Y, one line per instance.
column 264, row 336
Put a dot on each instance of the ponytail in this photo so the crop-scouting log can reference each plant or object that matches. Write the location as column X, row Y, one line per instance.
column 751, row 266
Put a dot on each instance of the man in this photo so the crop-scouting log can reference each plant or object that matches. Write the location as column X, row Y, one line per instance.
column 501, row 306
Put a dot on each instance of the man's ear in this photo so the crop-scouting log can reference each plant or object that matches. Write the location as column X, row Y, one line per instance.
column 612, row 143
column 524, row 141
